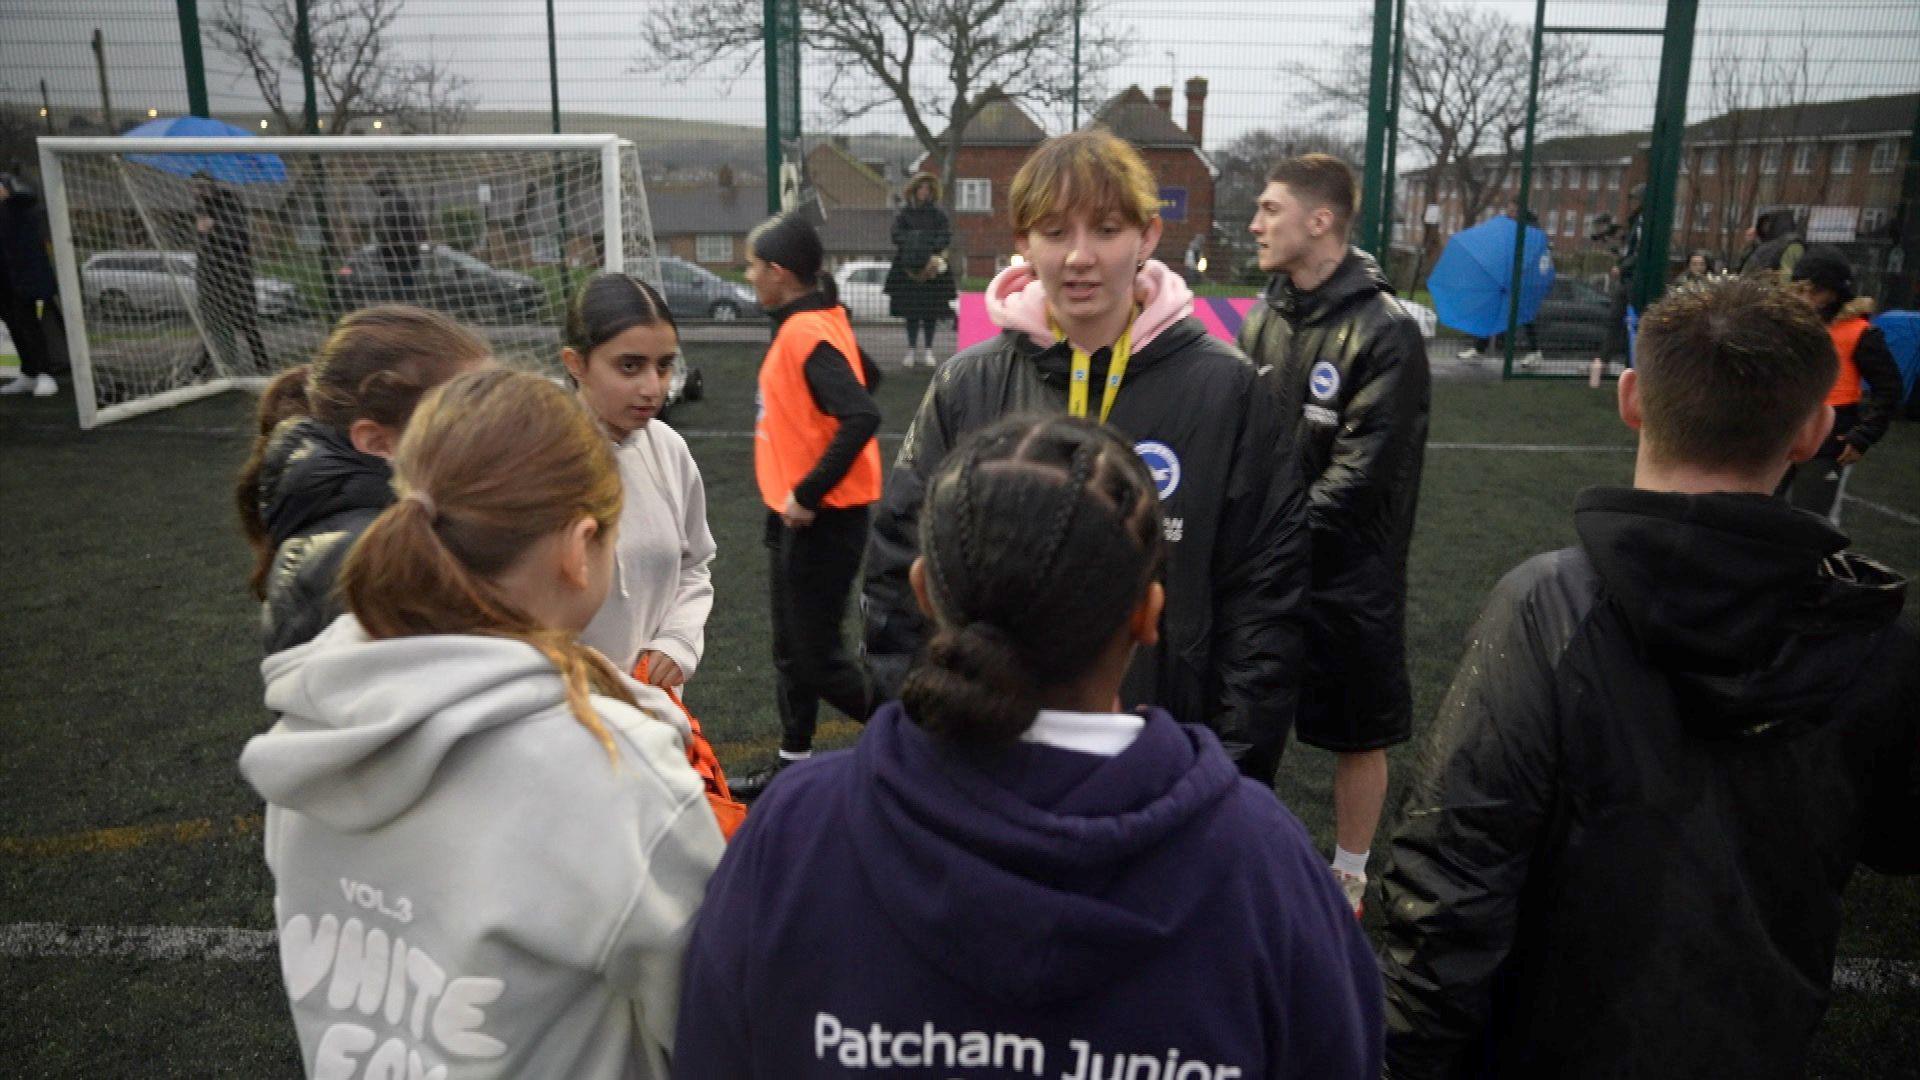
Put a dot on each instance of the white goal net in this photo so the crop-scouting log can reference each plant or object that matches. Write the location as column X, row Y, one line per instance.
column 189, row 266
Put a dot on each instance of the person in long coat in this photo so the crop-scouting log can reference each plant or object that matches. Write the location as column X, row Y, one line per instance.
column 920, row 285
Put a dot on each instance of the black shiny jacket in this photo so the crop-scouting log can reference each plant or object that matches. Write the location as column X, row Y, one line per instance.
column 1351, row 369
column 317, row 495
column 1233, row 514
column 1664, row 753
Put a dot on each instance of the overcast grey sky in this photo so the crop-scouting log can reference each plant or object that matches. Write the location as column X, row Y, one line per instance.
column 1242, row 46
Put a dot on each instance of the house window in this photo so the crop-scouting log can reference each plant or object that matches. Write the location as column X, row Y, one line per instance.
column 1709, row 162
column 1803, row 159
column 1703, row 215
column 1553, row 222
column 713, row 248
column 1613, row 179
column 1554, row 179
column 1573, row 179
column 1568, row 225
column 1882, row 157
column 973, row 195
column 1843, row 159
column 1873, row 219
column 1770, row 159
column 1742, row 158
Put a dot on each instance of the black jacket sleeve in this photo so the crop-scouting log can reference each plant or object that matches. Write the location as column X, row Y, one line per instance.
column 1262, row 573
column 894, row 627
column 1472, row 821
column 1882, row 376
column 1380, row 426
column 839, row 394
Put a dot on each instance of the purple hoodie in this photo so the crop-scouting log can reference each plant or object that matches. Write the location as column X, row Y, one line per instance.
column 901, row 910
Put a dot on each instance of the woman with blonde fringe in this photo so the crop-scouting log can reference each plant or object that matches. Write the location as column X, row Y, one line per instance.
column 487, row 844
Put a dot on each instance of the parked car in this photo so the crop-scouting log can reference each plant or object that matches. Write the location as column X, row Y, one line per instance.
column 1573, row 317
column 863, row 288
column 123, row 284
column 447, row 280
column 694, row 292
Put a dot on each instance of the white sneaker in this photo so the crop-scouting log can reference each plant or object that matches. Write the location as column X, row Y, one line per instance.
column 906, row 362
column 1469, row 353
column 1531, row 359
column 1353, row 886
column 19, row 384
column 45, row 387
column 928, row 358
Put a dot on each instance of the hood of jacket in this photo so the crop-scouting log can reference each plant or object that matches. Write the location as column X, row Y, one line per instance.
column 1753, row 609
column 311, row 472
column 1357, row 277
column 1040, row 877
column 365, row 725
column 1016, row 301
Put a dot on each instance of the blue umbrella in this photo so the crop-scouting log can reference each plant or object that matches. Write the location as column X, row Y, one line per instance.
column 1902, row 331
column 1473, row 279
column 236, row 168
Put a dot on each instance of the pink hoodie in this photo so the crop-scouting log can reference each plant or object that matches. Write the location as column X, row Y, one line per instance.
column 1016, row 301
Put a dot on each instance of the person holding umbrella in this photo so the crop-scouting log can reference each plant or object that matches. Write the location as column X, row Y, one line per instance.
column 223, row 274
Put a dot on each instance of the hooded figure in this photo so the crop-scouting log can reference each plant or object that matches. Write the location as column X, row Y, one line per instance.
column 919, row 284
column 1776, row 245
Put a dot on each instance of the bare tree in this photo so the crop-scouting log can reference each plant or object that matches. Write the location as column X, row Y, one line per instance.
column 438, row 100
column 355, row 74
column 1463, row 92
column 938, row 61
column 1757, row 96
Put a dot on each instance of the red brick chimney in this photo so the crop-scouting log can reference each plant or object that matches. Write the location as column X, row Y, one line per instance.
column 1163, row 97
column 1197, row 109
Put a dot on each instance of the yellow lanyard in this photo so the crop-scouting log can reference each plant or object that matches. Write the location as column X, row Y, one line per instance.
column 1083, row 370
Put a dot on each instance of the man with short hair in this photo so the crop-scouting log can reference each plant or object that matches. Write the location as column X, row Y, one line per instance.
column 1666, row 747
column 1351, row 372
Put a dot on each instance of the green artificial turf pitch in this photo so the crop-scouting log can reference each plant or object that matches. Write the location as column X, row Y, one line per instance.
column 130, row 654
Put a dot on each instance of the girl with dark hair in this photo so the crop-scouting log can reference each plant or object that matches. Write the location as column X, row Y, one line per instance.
column 919, row 283
column 621, row 345
column 1009, row 873
column 319, row 471
column 471, row 817
column 818, row 470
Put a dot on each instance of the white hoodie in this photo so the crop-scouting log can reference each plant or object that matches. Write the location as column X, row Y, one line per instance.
column 465, row 884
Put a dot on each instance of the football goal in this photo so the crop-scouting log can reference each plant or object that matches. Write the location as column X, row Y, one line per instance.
column 188, row 266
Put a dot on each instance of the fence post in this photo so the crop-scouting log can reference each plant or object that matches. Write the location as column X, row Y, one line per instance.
column 1663, row 158
column 1522, row 206
column 189, row 11
column 1376, row 125
column 1390, row 178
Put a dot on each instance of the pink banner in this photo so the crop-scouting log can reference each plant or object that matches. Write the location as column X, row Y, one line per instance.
column 1222, row 316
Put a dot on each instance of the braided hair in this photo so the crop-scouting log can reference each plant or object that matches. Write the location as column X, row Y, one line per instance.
column 1040, row 535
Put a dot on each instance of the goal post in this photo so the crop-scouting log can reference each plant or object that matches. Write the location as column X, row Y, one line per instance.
column 191, row 266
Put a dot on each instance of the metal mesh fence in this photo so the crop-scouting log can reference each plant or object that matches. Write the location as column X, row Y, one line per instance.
column 1806, row 111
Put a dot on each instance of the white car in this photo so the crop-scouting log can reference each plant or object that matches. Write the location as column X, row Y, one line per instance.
column 863, row 288
column 121, row 284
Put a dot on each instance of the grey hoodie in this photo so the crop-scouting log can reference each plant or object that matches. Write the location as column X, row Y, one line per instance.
column 465, row 885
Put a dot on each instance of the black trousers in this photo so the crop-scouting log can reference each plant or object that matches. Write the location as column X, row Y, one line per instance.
column 811, row 571
column 29, row 336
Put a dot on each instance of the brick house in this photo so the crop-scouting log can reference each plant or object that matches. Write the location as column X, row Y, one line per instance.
column 708, row 224
column 1175, row 155
column 992, row 147
column 1836, row 164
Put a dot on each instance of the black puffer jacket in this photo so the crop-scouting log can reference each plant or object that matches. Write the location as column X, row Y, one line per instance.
column 1351, row 369
column 1232, row 510
column 1664, row 753
column 317, row 495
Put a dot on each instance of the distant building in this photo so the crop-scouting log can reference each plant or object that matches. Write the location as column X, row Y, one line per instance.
column 844, row 180
column 1002, row 135
column 708, row 224
column 1836, row 164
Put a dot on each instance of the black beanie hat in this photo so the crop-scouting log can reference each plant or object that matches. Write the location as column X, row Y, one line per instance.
column 1825, row 266
column 788, row 241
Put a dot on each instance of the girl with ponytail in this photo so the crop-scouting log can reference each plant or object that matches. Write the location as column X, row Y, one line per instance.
column 318, row 472
column 1005, row 851
column 464, row 802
